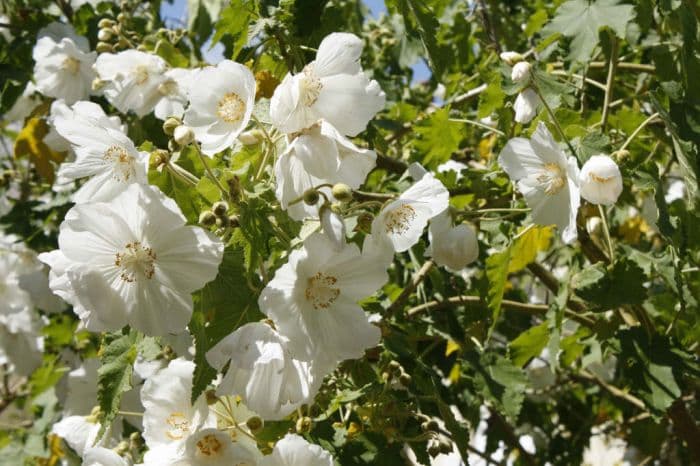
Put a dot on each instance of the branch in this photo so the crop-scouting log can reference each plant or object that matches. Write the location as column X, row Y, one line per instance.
column 615, row 48
column 406, row 292
column 510, row 437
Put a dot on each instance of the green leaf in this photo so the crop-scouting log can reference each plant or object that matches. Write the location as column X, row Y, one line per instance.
column 438, row 137
column 582, row 19
column 529, row 344
column 513, row 259
column 419, row 13
column 117, row 355
column 233, row 22
column 171, row 54
column 493, row 96
column 229, row 302
column 611, row 287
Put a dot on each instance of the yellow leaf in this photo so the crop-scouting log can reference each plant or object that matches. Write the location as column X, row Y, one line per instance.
column 531, row 241
column 486, row 147
column 30, row 143
column 454, row 373
column 353, row 429
column 452, row 346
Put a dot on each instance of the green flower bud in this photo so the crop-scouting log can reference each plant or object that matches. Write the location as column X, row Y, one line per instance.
column 219, row 208
column 207, row 218
column 254, row 424
column 105, row 34
column 405, row 379
column 303, row 425
column 103, row 47
column 105, row 23
column 170, row 124
column 342, row 192
column 158, row 157
column 233, row 221
column 222, row 222
column 212, row 399
column 311, row 197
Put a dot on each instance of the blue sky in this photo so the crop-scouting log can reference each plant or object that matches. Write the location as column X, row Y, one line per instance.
column 177, row 11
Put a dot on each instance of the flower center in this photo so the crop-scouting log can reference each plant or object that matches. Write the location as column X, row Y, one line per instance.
column 168, row 87
column 309, row 87
column 122, row 163
column 179, row 426
column 136, row 261
column 209, row 445
column 231, row 108
column 321, row 291
column 72, row 65
column 399, row 219
column 140, row 74
column 552, row 178
column 600, row 179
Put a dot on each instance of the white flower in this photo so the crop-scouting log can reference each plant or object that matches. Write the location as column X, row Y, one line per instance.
column 400, row 224
column 21, row 343
column 103, row 153
column 174, row 93
column 525, row 106
column 604, row 451
column 132, row 261
column 600, row 180
column 131, row 80
column 319, row 155
column 211, row 447
column 63, row 63
column 170, row 418
column 546, row 178
column 451, row 246
column 511, row 58
column 333, row 226
column 80, row 433
column 262, row 371
column 520, row 72
column 81, row 389
column 452, row 165
column 24, row 104
column 333, row 87
column 100, row 456
column 221, row 103
column 313, row 300
column 293, row 450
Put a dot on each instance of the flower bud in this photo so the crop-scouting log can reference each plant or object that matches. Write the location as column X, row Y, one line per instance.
column 433, row 449
column 254, row 424
column 525, row 106
column 511, row 58
column 105, row 23
column 405, row 379
column 251, row 138
column 121, row 448
column 158, row 158
column 104, row 34
column 621, row 155
column 342, row 192
column 234, row 187
column 364, row 222
column 211, row 397
column 311, row 197
column 207, row 218
column 222, row 222
column 234, row 221
column 103, row 47
column 445, row 447
column 121, row 17
column 520, row 72
column 183, row 135
column 220, row 208
column 303, row 425
column 170, row 124
column 600, row 180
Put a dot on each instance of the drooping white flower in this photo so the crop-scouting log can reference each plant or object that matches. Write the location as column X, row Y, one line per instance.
column 211, row 447
column 451, row 246
column 63, row 63
column 600, row 180
column 132, row 261
column 170, row 418
column 333, row 87
column 520, row 72
column 131, row 80
column 221, row 103
column 102, row 152
column 100, row 456
column 262, row 371
column 333, row 226
column 293, row 450
column 604, row 451
column 313, row 300
column 400, row 223
column 80, row 433
column 319, row 155
column 525, row 106
column 21, row 342
column 173, row 90
column 547, row 180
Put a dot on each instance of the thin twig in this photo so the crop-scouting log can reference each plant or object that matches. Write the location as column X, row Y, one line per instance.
column 638, row 130
column 615, row 47
column 408, row 289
